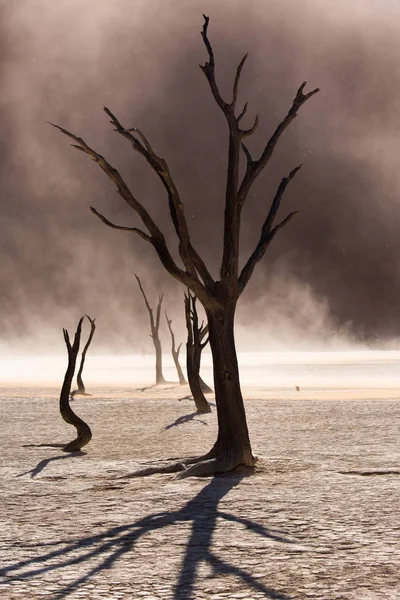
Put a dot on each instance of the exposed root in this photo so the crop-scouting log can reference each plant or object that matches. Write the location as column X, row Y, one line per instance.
column 213, row 466
column 206, row 465
column 175, row 467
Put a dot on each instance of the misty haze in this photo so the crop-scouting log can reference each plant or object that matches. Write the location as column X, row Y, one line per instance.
column 289, row 487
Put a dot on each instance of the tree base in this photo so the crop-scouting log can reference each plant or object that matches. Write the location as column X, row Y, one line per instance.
column 207, row 465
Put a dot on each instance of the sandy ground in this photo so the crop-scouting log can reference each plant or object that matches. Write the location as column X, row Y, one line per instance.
column 320, row 518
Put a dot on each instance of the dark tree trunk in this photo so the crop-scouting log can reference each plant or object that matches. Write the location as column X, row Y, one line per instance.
column 83, row 430
column 81, row 385
column 175, row 353
column 193, row 354
column 233, row 442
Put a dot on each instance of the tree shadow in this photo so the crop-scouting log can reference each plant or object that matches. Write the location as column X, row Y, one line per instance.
column 43, row 463
column 185, row 419
column 43, row 445
column 108, row 547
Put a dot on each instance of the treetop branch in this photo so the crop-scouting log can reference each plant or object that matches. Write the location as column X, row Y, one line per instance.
column 267, row 232
column 190, row 258
column 254, row 167
column 157, row 237
column 237, row 78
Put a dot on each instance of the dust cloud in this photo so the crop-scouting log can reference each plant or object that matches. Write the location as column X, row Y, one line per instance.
column 331, row 277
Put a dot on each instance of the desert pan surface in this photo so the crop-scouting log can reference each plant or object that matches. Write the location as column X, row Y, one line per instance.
column 319, row 517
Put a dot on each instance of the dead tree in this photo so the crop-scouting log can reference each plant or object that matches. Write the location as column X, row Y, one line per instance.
column 154, row 327
column 202, row 334
column 175, row 353
column 83, row 430
column 194, row 347
column 218, row 297
column 81, row 386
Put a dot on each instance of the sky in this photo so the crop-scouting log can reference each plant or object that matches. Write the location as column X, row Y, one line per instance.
column 330, row 278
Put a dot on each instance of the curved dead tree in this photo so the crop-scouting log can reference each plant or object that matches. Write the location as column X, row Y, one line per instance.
column 175, row 353
column 154, row 327
column 219, row 297
column 83, row 430
column 194, row 347
column 81, row 386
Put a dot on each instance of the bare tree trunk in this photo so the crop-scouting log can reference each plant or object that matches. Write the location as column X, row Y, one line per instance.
column 193, row 353
column 175, row 353
column 232, row 447
column 154, row 327
column 83, row 430
column 81, row 386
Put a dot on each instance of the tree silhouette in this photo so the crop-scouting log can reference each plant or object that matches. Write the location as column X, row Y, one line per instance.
column 218, row 297
column 84, row 434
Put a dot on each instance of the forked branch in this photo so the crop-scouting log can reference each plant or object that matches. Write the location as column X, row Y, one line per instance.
column 81, row 385
column 268, row 232
column 254, row 167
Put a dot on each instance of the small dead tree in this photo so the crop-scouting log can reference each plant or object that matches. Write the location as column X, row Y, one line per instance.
column 83, row 430
column 154, row 328
column 81, row 386
column 175, row 353
column 218, row 297
column 202, row 334
column 194, row 347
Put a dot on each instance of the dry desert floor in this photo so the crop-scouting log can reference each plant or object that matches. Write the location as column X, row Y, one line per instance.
column 319, row 518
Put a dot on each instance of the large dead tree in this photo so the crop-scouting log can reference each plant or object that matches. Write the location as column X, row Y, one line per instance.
column 175, row 352
column 81, row 386
column 154, row 328
column 218, row 297
column 84, row 434
column 194, row 347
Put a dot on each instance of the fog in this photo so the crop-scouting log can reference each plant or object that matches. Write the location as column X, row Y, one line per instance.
column 330, row 279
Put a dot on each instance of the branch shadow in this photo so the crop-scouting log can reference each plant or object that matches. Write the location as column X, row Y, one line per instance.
column 43, row 445
column 185, row 419
column 108, row 547
column 43, row 463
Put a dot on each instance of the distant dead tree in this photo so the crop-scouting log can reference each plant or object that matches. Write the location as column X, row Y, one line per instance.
column 218, row 297
column 83, row 430
column 194, row 347
column 154, row 328
column 175, row 352
column 81, row 387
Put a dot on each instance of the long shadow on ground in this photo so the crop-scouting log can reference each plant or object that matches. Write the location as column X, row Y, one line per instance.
column 185, row 419
column 108, row 547
column 43, row 463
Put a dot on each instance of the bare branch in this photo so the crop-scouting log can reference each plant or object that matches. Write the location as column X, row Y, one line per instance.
column 247, row 153
column 209, row 70
column 237, row 78
column 190, row 258
column 121, row 227
column 149, row 309
column 158, row 313
column 269, row 221
column 242, row 113
column 267, row 232
column 255, row 168
column 251, row 130
column 158, row 239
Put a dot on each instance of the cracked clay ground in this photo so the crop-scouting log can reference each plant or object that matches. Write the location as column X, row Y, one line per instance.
column 319, row 519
